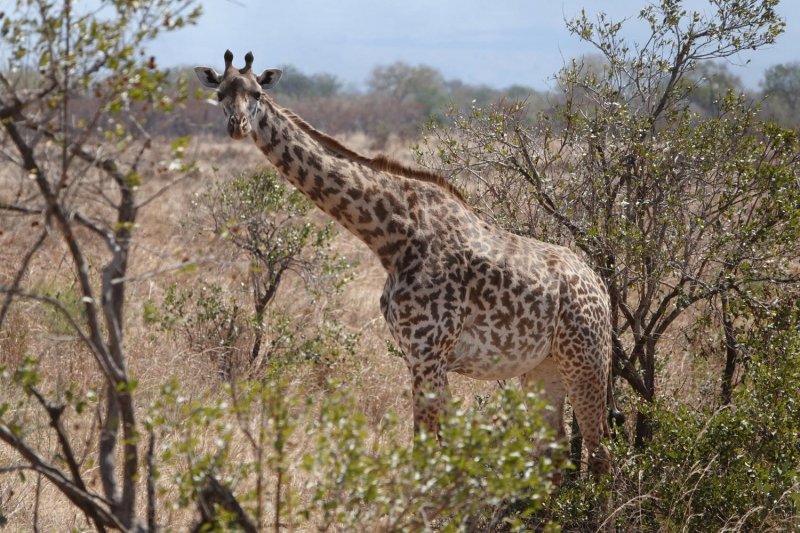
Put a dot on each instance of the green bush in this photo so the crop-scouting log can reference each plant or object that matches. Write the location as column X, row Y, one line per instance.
column 209, row 320
column 267, row 221
column 737, row 466
column 205, row 316
column 712, row 469
column 484, row 476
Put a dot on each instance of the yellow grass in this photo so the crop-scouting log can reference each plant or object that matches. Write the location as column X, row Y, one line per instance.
column 154, row 357
column 380, row 379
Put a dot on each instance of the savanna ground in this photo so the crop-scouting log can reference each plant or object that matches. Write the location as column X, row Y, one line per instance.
column 157, row 356
column 164, row 244
column 652, row 162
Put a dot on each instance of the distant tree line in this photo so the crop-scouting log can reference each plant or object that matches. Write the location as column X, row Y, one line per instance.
column 779, row 97
column 399, row 98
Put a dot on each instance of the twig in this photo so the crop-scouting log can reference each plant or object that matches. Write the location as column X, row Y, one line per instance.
column 87, row 502
column 21, row 272
column 60, row 308
column 21, row 208
column 164, row 189
column 153, row 273
column 534, row 178
column 104, row 163
column 36, row 503
column 151, row 485
column 15, row 468
column 55, row 412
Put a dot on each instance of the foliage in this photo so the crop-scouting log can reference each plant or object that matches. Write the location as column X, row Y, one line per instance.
column 205, row 317
column 209, row 320
column 742, row 462
column 298, row 85
column 422, row 83
column 729, row 468
column 710, row 83
column 484, row 475
column 781, row 86
column 74, row 80
column 267, row 221
column 673, row 210
column 427, row 87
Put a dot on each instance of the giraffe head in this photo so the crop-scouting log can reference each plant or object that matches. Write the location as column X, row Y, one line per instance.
column 239, row 91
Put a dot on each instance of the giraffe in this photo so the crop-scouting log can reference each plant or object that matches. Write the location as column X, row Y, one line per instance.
column 461, row 295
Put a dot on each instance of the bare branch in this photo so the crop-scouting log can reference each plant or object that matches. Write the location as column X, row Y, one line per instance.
column 151, row 485
column 108, row 165
column 20, row 272
column 214, row 493
column 55, row 412
column 15, row 468
column 87, row 502
column 170, row 268
column 21, row 209
column 95, row 330
column 164, row 189
column 66, row 314
column 547, row 202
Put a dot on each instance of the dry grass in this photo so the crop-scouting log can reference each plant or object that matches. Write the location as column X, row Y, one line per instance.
column 154, row 357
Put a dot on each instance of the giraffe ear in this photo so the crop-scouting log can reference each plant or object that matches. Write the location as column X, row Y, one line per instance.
column 269, row 78
column 208, row 77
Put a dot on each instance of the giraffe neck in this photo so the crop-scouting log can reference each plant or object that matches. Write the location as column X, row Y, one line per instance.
column 368, row 203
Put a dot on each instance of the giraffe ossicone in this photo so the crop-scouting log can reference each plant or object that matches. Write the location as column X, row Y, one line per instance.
column 461, row 295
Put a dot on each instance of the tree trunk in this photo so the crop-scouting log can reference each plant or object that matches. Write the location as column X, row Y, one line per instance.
column 644, row 426
column 575, row 446
column 731, row 355
column 644, row 430
column 259, row 334
column 261, row 306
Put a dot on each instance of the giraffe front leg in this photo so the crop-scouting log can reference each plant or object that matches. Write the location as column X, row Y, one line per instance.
column 430, row 394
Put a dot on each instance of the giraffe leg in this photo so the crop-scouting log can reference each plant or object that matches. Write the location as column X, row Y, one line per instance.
column 554, row 393
column 430, row 394
column 587, row 393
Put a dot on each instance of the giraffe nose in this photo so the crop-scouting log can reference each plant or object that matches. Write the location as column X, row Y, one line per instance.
column 238, row 121
column 238, row 126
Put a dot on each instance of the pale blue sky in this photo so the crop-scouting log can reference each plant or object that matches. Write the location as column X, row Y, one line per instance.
column 497, row 42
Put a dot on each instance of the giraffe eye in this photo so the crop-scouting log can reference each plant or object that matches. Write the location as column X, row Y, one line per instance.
column 220, row 96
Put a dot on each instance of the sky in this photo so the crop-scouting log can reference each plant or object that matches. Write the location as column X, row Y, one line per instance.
column 496, row 43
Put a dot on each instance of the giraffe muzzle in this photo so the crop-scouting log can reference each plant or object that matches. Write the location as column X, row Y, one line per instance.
column 238, row 126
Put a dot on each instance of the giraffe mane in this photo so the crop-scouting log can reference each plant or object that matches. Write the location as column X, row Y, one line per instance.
column 380, row 163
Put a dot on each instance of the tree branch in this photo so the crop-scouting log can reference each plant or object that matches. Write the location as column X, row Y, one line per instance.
column 622, row 366
column 151, row 485
column 55, row 412
column 214, row 493
column 87, row 502
column 60, row 308
column 20, row 272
